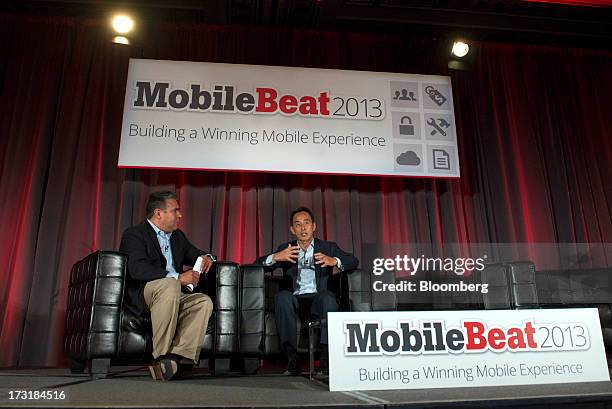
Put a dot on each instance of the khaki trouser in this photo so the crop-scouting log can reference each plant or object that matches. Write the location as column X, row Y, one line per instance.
column 179, row 320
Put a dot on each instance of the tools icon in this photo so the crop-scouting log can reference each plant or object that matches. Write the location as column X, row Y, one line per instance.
column 437, row 125
column 444, row 123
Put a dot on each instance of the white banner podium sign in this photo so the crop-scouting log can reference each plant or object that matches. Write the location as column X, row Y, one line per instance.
column 193, row 115
column 448, row 349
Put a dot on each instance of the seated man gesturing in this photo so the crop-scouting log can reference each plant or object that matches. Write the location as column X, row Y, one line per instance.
column 309, row 262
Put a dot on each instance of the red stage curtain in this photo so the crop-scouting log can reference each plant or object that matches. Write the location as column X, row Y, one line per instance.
column 534, row 139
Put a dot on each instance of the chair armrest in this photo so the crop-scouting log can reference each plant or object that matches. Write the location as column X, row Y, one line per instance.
column 523, row 288
column 93, row 312
column 498, row 295
column 252, row 304
column 361, row 296
column 227, row 331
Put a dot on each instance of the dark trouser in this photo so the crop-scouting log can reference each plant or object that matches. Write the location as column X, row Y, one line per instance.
column 287, row 307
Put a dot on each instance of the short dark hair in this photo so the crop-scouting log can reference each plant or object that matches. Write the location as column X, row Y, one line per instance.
column 299, row 210
column 157, row 200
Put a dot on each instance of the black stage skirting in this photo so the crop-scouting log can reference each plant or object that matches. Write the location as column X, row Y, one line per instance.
column 133, row 387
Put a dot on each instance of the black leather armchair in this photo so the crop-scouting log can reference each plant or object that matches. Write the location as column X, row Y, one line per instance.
column 511, row 286
column 99, row 330
column 575, row 288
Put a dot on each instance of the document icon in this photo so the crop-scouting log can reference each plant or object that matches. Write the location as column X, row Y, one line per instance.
column 441, row 159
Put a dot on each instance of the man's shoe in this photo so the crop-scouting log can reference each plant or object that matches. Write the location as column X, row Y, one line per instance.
column 292, row 372
column 321, row 374
column 185, row 371
column 164, row 369
column 324, row 360
column 293, row 367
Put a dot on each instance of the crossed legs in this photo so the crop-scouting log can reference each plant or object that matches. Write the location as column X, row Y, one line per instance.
column 178, row 320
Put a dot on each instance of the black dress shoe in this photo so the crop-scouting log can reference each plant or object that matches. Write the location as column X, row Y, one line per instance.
column 184, row 373
column 293, row 367
column 185, row 369
column 321, row 374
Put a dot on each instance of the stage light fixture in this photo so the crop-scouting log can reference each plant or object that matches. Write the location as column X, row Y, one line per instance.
column 122, row 23
column 460, row 49
column 121, row 40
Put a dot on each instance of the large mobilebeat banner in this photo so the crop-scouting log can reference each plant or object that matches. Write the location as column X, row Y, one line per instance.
column 194, row 115
column 447, row 349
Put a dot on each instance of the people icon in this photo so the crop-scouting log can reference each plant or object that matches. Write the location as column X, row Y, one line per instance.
column 405, row 95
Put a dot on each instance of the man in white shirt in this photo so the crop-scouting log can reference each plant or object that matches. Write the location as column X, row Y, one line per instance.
column 157, row 250
column 309, row 262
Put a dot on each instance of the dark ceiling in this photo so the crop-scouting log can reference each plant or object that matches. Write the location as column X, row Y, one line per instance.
column 495, row 20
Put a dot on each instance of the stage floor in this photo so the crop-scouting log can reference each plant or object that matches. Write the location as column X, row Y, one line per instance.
column 133, row 387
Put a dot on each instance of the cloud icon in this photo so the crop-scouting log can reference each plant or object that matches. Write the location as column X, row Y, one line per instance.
column 408, row 158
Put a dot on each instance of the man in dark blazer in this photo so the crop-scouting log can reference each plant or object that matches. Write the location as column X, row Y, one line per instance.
column 309, row 263
column 156, row 283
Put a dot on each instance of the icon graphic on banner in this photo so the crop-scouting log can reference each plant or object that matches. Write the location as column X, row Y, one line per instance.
column 441, row 159
column 435, row 95
column 437, row 126
column 444, row 123
column 405, row 95
column 406, row 127
column 409, row 158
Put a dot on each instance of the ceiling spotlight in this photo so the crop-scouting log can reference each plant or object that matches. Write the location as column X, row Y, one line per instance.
column 121, row 40
column 460, row 49
column 122, row 23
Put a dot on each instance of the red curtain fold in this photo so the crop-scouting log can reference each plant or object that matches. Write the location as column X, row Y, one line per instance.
column 533, row 128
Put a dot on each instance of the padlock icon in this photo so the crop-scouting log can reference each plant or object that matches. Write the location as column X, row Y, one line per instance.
column 406, row 128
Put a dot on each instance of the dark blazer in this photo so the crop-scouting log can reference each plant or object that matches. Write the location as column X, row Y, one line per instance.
column 146, row 261
column 329, row 248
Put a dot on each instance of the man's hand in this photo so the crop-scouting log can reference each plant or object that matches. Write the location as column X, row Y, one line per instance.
column 325, row 261
column 189, row 277
column 290, row 254
column 206, row 264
